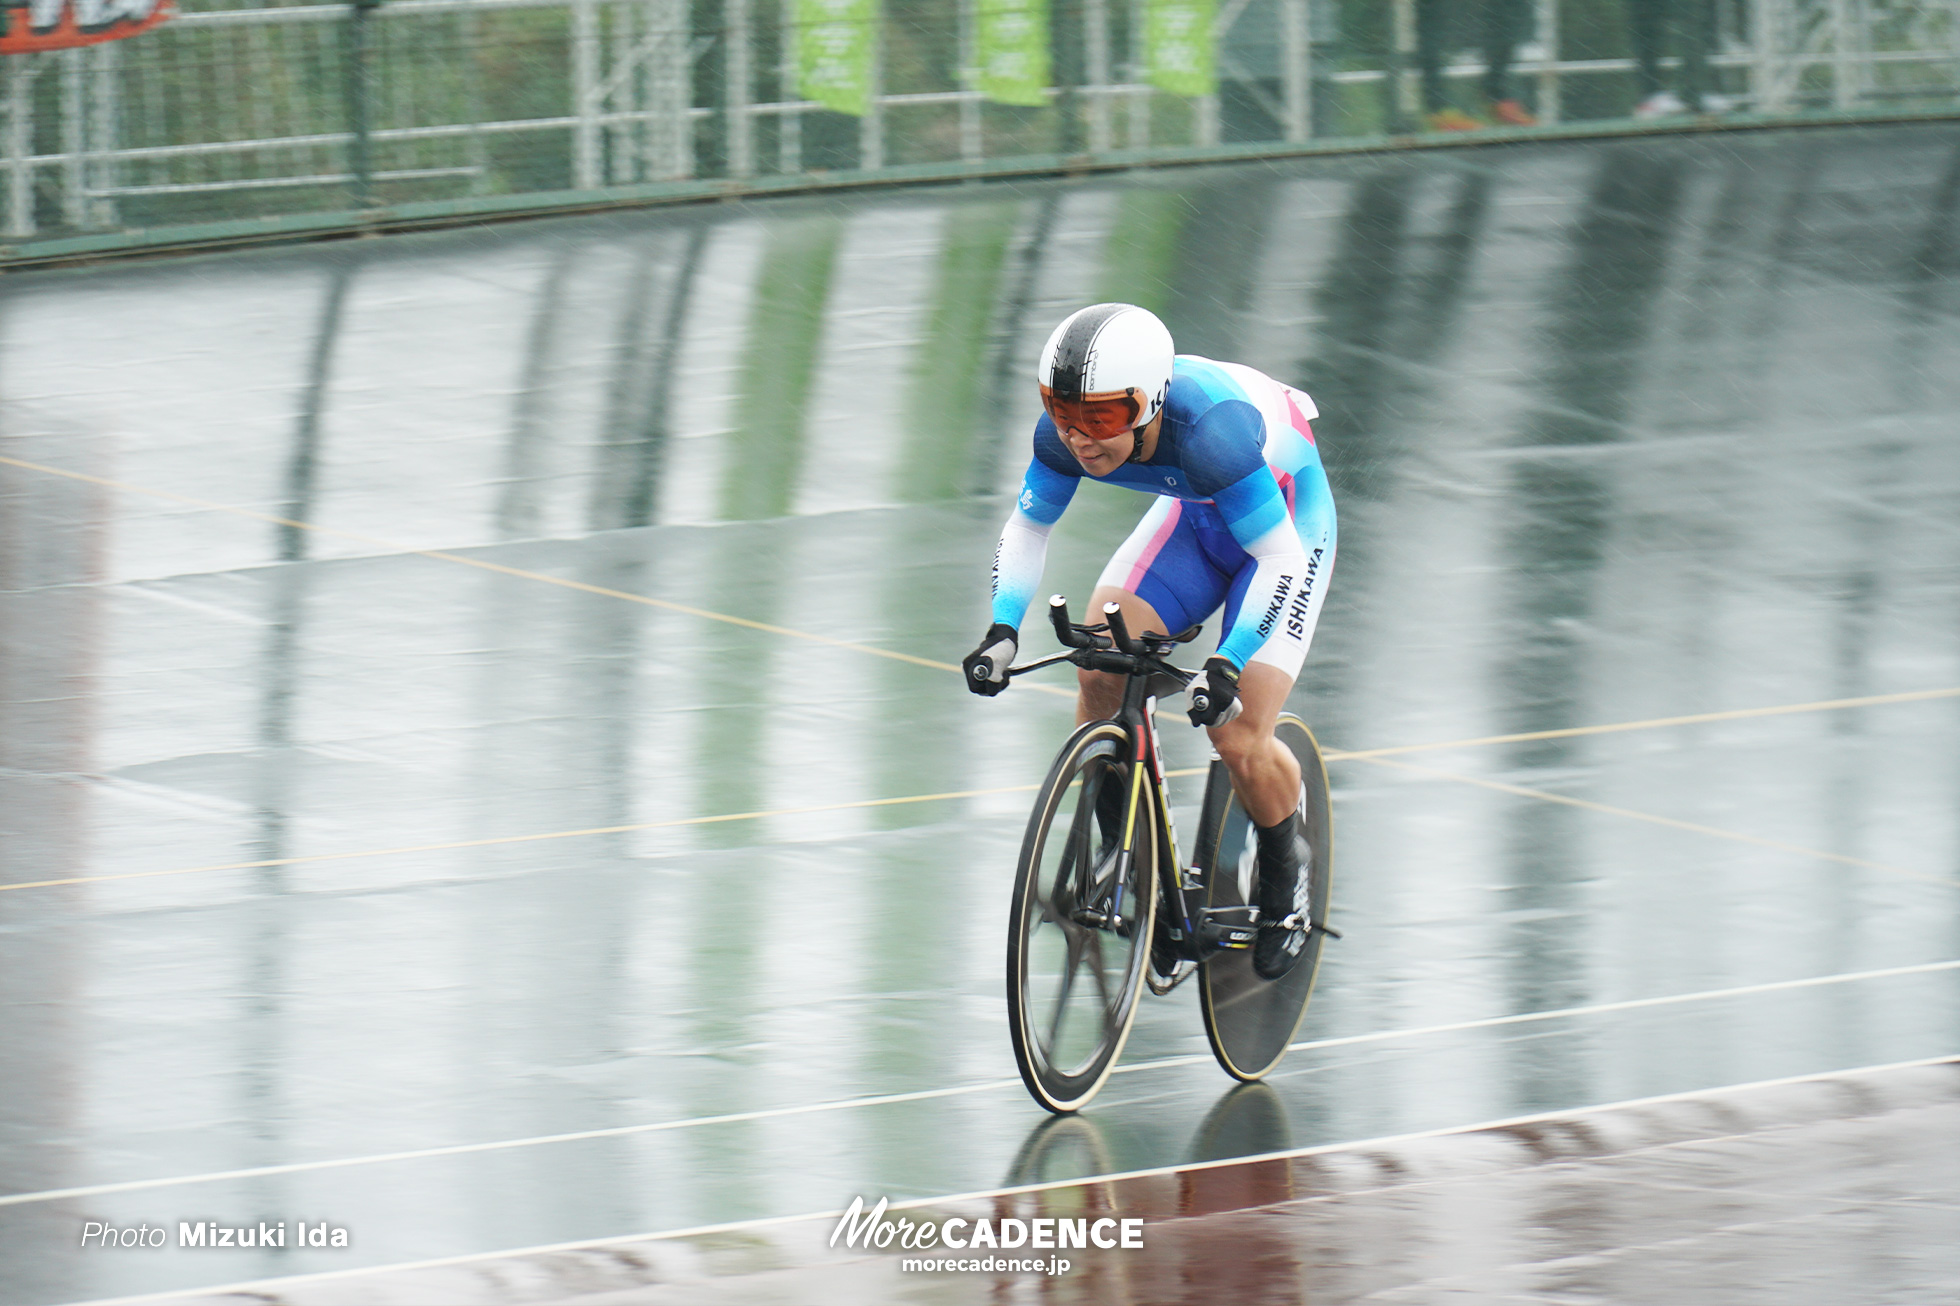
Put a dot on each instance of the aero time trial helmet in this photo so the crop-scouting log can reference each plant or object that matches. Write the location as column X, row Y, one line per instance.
column 1106, row 370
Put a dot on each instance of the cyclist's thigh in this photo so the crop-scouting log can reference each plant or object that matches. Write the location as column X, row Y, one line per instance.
column 1164, row 564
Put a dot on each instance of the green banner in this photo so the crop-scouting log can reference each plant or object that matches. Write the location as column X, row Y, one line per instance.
column 836, row 41
column 1011, row 42
column 1178, row 46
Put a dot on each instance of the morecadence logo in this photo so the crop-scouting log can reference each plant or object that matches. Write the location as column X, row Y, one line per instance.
column 873, row 1229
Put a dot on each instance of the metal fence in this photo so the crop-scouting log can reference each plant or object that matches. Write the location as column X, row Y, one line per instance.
column 252, row 113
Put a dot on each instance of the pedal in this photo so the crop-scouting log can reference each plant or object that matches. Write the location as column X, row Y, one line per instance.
column 1216, row 933
column 1300, row 924
column 1161, row 984
column 1099, row 920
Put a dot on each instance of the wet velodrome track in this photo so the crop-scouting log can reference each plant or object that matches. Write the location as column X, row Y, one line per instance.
column 482, row 766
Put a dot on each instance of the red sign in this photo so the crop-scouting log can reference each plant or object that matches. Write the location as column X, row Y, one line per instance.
column 30, row 25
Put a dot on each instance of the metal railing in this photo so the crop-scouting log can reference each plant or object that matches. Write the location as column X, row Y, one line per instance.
column 256, row 112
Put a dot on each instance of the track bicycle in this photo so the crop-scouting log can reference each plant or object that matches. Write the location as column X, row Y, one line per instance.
column 1103, row 906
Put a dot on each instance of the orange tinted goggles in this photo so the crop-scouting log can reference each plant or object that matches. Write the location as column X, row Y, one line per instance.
column 1100, row 417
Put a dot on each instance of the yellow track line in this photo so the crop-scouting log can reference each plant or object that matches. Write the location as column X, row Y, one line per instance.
column 1655, row 723
column 1332, row 755
column 481, row 564
column 707, row 614
column 501, row 840
column 1668, row 821
column 951, row 795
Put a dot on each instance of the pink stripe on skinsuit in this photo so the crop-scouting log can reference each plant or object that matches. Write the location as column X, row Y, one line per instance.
column 1299, row 418
column 1285, row 480
column 1156, row 546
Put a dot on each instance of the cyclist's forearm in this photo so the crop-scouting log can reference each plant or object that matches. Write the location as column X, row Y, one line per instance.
column 1018, row 562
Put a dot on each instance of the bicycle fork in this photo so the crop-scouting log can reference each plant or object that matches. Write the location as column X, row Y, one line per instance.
column 1148, row 761
column 1179, row 884
column 1126, row 854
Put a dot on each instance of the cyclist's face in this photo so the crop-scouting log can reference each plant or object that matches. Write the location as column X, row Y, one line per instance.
column 1097, row 431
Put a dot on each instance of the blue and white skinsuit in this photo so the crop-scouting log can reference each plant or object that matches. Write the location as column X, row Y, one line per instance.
column 1245, row 519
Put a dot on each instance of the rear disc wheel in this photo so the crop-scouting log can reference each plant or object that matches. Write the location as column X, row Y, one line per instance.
column 1250, row 1020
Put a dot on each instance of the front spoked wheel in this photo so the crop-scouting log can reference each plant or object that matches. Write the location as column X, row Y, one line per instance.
column 1079, row 932
column 1248, row 1019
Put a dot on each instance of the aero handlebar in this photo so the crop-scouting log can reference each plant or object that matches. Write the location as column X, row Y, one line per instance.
column 1110, row 646
column 1118, row 630
column 1073, row 636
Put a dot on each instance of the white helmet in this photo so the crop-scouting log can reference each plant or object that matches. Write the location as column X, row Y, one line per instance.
column 1109, row 351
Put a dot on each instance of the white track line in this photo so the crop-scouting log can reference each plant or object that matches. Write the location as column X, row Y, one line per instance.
column 989, row 1194
column 888, row 1099
column 1596, row 1009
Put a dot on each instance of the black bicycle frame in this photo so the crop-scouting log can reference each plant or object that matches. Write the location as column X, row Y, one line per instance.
column 1140, row 662
column 1181, row 888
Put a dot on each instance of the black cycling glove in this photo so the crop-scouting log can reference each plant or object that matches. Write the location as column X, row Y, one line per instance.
column 1214, row 695
column 986, row 667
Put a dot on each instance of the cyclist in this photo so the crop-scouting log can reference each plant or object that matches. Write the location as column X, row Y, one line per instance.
column 1244, row 519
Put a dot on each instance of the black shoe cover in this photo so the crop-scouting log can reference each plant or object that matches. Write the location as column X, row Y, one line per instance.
column 1285, row 863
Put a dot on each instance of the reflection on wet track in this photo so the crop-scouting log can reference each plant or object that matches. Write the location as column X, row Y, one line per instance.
column 479, row 764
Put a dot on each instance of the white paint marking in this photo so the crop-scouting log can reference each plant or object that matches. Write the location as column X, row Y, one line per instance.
column 1596, row 1009
column 922, row 1095
column 989, row 1194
